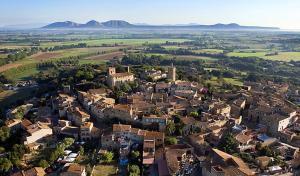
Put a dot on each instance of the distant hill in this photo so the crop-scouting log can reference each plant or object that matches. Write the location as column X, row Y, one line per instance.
column 92, row 24
column 66, row 24
column 117, row 24
column 125, row 24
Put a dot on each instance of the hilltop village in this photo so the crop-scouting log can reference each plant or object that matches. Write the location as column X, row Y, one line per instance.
column 163, row 126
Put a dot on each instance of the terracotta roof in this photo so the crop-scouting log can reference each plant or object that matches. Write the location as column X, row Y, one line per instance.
column 36, row 127
column 36, row 171
column 121, row 128
column 86, row 125
column 156, row 116
column 172, row 155
column 242, row 138
column 188, row 120
column 75, row 168
column 263, row 158
column 12, row 122
column 99, row 91
column 239, row 163
column 26, row 123
column 81, row 113
column 153, row 135
column 122, row 107
column 149, row 144
column 162, row 85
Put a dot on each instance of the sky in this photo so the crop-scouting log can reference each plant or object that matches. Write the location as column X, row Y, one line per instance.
column 273, row 13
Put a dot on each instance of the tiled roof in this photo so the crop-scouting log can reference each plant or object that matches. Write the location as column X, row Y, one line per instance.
column 75, row 168
column 240, row 164
column 121, row 128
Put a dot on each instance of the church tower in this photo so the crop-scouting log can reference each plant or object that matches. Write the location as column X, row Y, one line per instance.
column 172, row 73
column 111, row 71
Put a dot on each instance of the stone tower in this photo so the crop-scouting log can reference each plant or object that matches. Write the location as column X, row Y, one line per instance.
column 111, row 71
column 172, row 73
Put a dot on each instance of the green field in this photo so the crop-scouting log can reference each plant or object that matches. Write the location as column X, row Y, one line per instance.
column 90, row 61
column 182, row 57
column 282, row 56
column 175, row 47
column 99, row 42
column 104, row 170
column 73, row 52
column 214, row 81
column 210, row 51
column 3, row 56
column 14, row 72
column 21, row 73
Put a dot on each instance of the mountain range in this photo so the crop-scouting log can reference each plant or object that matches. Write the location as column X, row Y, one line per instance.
column 125, row 24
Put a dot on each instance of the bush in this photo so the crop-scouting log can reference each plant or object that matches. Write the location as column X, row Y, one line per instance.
column 43, row 163
column 134, row 170
column 228, row 144
column 107, row 157
column 171, row 141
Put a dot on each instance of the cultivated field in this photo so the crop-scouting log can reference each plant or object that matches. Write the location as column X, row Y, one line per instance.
column 100, row 42
column 282, row 56
column 8, row 66
column 46, row 56
column 210, row 51
column 107, row 56
column 104, row 170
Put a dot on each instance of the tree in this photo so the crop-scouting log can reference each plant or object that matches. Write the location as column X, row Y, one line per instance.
column 81, row 150
column 2, row 149
column 68, row 142
column 107, row 157
column 171, row 140
column 176, row 118
column 170, row 128
column 134, row 170
column 59, row 150
column 194, row 114
column 247, row 157
column 5, row 165
column 267, row 151
column 228, row 144
column 155, row 110
column 43, row 163
column 125, row 87
column 135, row 154
column 4, row 133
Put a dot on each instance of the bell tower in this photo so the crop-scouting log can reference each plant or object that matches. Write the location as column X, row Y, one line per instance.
column 172, row 73
column 111, row 71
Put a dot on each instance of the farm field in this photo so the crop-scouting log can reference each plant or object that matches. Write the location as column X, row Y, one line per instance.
column 108, row 56
column 183, row 57
column 13, row 46
column 282, row 56
column 104, row 170
column 99, row 42
column 9, row 69
column 214, row 81
column 3, row 55
column 22, row 72
column 6, row 67
column 210, row 51
column 72, row 52
column 174, row 47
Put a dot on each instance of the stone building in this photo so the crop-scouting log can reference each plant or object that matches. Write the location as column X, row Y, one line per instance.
column 116, row 79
